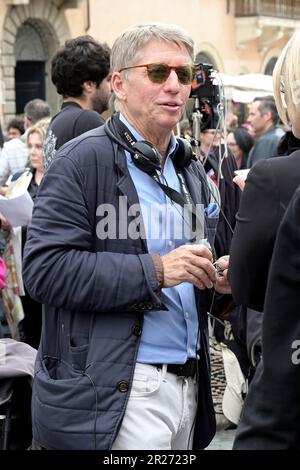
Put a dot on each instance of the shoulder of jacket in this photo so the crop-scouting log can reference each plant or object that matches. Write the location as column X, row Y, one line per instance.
column 90, row 113
column 89, row 149
column 84, row 142
column 197, row 169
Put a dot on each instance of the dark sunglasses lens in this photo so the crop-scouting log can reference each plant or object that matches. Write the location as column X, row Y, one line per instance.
column 185, row 74
column 158, row 73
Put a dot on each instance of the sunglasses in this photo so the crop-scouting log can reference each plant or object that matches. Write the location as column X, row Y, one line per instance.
column 159, row 73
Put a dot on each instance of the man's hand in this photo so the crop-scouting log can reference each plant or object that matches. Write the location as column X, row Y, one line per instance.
column 222, row 285
column 240, row 182
column 189, row 263
column 3, row 223
column 3, row 190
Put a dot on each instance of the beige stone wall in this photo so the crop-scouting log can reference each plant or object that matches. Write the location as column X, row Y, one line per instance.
column 50, row 22
column 206, row 21
column 211, row 23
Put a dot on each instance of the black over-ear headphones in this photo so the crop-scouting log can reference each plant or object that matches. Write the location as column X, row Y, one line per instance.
column 144, row 154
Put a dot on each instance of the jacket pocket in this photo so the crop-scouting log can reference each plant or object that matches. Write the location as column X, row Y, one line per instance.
column 146, row 381
column 63, row 407
column 78, row 348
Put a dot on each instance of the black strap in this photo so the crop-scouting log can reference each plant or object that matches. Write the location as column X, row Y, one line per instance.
column 184, row 199
column 179, row 198
column 122, row 130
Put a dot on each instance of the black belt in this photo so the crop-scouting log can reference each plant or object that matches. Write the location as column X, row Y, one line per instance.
column 188, row 369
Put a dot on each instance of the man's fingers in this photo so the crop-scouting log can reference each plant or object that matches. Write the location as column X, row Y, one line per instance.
column 199, row 250
column 196, row 282
column 206, row 266
column 201, row 275
column 189, row 263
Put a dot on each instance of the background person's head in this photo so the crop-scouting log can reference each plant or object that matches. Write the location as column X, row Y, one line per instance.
column 35, row 140
column 152, row 96
column 262, row 115
column 185, row 128
column 240, row 143
column 232, row 121
column 286, row 78
column 15, row 128
column 209, row 138
column 34, row 111
column 80, row 69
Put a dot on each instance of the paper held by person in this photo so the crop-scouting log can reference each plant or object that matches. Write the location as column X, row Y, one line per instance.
column 242, row 173
column 17, row 210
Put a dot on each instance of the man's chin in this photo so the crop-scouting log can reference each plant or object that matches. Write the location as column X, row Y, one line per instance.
column 169, row 123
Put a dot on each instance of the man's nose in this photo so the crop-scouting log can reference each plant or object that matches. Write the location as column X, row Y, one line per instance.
column 172, row 81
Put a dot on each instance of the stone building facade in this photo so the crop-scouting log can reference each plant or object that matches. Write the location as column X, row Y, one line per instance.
column 237, row 36
column 30, row 33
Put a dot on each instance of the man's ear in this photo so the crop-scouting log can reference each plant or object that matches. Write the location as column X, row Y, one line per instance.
column 27, row 122
column 118, row 85
column 268, row 116
column 88, row 87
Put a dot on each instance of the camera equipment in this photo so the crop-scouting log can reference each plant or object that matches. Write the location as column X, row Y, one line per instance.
column 206, row 97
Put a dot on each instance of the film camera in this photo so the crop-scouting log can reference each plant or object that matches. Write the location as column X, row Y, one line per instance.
column 206, row 96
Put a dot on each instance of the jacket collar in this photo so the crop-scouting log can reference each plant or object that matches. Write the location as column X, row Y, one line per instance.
column 126, row 185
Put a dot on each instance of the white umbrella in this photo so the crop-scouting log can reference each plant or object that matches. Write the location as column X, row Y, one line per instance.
column 244, row 88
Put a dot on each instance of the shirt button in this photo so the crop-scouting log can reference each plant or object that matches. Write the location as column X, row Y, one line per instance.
column 187, row 315
column 170, row 243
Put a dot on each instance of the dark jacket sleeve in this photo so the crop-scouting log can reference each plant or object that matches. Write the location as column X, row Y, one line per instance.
column 254, row 236
column 62, row 268
column 271, row 416
column 230, row 200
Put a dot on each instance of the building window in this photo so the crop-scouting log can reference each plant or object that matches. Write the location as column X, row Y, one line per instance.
column 204, row 58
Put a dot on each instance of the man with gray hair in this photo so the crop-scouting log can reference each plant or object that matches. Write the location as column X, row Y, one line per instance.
column 34, row 111
column 263, row 118
column 123, row 361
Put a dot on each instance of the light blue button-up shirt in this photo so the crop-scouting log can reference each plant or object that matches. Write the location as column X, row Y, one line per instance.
column 168, row 336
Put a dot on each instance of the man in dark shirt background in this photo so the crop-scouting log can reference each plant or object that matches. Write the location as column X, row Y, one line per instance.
column 263, row 118
column 80, row 73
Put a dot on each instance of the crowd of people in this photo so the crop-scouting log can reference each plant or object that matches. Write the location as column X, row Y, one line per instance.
column 140, row 248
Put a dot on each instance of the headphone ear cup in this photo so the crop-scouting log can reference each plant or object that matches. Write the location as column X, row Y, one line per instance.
column 184, row 154
column 146, row 156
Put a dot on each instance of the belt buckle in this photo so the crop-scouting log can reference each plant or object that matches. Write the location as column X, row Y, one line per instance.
column 188, row 369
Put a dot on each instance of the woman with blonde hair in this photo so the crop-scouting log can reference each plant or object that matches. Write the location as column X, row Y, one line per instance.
column 271, row 415
column 35, row 141
column 30, row 326
column 16, row 301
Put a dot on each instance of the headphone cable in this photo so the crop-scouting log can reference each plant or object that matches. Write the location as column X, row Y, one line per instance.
column 96, row 409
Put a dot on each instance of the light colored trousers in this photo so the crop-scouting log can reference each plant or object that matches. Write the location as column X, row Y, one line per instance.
column 160, row 413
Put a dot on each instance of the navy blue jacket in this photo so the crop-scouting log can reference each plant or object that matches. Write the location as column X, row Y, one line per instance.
column 95, row 294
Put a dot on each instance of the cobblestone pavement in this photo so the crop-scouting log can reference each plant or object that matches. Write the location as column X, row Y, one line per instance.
column 223, row 440
column 224, row 437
